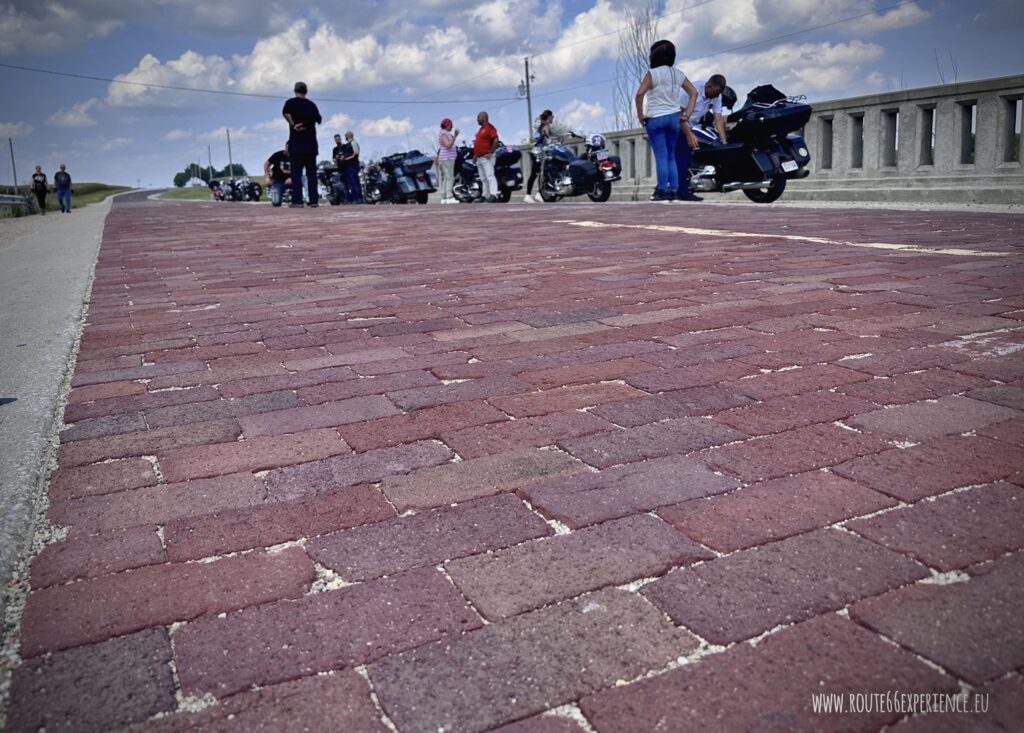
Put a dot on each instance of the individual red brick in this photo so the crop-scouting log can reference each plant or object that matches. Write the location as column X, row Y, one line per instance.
column 275, row 522
column 999, row 706
column 971, row 628
column 1011, row 431
column 744, row 594
column 336, row 391
column 428, row 538
column 456, row 482
column 349, row 358
column 255, row 454
column 533, row 574
column 289, row 639
column 79, row 613
column 739, row 689
column 329, row 414
column 101, row 478
column 107, row 390
column 1009, row 368
column 934, row 467
column 429, row 422
column 99, row 427
column 955, row 530
column 693, row 402
column 142, row 372
column 778, row 414
column 684, row 435
column 586, row 373
column 309, row 479
column 922, row 420
column 703, row 354
column 219, row 375
column 299, row 380
column 534, row 432
column 410, row 363
column 903, row 388
column 527, row 664
column 220, row 409
column 813, row 378
column 1007, row 395
column 701, row 375
column 146, row 443
column 473, row 389
column 158, row 504
column 911, row 360
column 203, row 353
column 794, row 451
column 333, row 701
column 574, row 397
column 588, row 498
column 135, row 403
column 96, row 687
column 773, row 510
column 102, row 554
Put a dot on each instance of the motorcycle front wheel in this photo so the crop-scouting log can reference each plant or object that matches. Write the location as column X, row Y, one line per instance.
column 769, row 194
column 547, row 195
column 371, row 195
column 601, row 192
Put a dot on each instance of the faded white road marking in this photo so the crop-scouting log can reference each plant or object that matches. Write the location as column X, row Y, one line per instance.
column 697, row 231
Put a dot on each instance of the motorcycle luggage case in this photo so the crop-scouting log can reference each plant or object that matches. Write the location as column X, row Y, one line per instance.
column 416, row 162
column 583, row 174
column 757, row 123
column 406, row 185
column 734, row 161
column 508, row 156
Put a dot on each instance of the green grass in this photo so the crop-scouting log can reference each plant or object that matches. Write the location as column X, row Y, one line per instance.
column 82, row 194
column 188, row 193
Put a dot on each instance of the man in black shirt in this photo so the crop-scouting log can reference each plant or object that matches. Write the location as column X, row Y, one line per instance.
column 303, row 117
column 340, row 152
column 277, row 168
column 62, row 185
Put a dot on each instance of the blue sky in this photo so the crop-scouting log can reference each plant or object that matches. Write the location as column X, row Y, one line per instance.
column 447, row 55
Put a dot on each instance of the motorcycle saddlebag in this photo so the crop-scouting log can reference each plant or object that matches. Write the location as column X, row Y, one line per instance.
column 735, row 162
column 583, row 174
column 507, row 156
column 416, row 162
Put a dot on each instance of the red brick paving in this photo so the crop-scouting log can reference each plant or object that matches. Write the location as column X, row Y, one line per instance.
column 296, row 461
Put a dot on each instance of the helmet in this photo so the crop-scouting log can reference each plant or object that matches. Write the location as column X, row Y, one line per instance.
column 596, row 141
column 728, row 97
column 446, row 122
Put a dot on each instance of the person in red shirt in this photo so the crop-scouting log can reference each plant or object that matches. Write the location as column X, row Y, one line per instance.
column 484, row 145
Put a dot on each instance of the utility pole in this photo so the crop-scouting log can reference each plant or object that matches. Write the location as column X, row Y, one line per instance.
column 231, row 163
column 14, row 168
column 209, row 162
column 529, row 100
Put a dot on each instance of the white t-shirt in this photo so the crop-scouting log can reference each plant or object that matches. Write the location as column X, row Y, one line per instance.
column 703, row 103
column 663, row 96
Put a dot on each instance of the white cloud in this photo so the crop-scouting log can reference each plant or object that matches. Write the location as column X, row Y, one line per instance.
column 899, row 17
column 78, row 116
column 176, row 135
column 385, row 126
column 116, row 143
column 15, row 129
column 189, row 70
column 577, row 114
column 338, row 121
column 48, row 26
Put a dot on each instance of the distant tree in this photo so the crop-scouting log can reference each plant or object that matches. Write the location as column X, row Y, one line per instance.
column 636, row 37
column 181, row 178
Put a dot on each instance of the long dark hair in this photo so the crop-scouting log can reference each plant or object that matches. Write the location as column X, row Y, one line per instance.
column 663, row 53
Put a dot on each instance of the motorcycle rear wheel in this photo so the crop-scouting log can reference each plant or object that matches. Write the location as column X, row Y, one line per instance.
column 547, row 195
column 371, row 195
column 601, row 192
column 769, row 194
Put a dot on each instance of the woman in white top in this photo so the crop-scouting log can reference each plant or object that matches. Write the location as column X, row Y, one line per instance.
column 660, row 90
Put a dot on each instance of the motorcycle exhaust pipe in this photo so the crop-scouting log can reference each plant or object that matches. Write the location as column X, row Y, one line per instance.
column 743, row 185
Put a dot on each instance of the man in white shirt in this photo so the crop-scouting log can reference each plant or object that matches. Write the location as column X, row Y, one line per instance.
column 709, row 98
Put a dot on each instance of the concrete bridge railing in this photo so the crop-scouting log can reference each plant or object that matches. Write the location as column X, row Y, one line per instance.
column 956, row 143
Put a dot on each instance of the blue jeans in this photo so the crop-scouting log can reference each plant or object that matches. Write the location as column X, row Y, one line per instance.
column 355, row 190
column 64, row 199
column 663, row 132
column 683, row 164
column 276, row 193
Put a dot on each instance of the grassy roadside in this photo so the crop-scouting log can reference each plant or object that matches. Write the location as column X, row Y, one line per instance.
column 82, row 194
column 198, row 193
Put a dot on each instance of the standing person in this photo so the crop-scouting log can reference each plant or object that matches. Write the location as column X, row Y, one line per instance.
column 446, row 154
column 484, row 145
column 39, row 187
column 355, row 189
column 303, row 117
column 276, row 168
column 540, row 137
column 709, row 98
column 62, row 185
column 659, row 93
column 340, row 152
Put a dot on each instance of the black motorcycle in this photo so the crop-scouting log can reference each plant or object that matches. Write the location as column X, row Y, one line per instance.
column 764, row 149
column 241, row 189
column 329, row 177
column 563, row 173
column 507, row 172
column 400, row 179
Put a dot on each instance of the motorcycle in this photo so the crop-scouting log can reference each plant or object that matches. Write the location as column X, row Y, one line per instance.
column 563, row 174
column 217, row 191
column 400, row 178
column 329, row 177
column 507, row 172
column 764, row 151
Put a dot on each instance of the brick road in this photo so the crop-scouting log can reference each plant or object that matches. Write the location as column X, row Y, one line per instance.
column 536, row 469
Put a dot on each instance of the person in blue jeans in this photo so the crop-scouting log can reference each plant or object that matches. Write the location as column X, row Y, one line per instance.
column 709, row 99
column 277, row 169
column 657, row 107
column 62, row 185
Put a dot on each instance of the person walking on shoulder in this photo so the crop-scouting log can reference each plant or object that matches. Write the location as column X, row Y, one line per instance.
column 446, row 155
column 657, row 107
column 39, row 186
column 62, row 185
column 709, row 99
column 540, row 138
column 303, row 116
column 484, row 145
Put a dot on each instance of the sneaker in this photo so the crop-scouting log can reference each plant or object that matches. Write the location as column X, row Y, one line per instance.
column 688, row 196
column 313, row 206
column 295, row 206
column 529, row 199
column 659, row 195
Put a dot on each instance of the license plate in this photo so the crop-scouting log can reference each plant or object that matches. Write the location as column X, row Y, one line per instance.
column 602, row 155
column 789, row 166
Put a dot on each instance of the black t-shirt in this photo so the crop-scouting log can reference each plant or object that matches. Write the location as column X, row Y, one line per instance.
column 39, row 182
column 62, row 180
column 280, row 168
column 340, row 152
column 305, row 112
